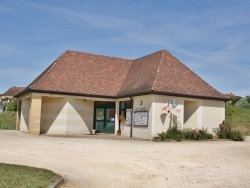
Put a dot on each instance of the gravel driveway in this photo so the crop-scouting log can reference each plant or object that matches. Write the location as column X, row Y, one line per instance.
column 91, row 161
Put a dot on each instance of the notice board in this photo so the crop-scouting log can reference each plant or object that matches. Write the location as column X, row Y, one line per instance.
column 141, row 118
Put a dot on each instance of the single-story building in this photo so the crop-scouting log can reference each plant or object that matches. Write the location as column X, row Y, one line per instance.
column 8, row 96
column 80, row 92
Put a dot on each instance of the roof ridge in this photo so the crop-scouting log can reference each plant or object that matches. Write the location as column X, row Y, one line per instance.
column 43, row 74
column 158, row 70
column 107, row 56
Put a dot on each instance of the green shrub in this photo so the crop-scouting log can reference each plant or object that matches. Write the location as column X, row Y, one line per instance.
column 197, row 134
column 12, row 105
column 236, row 136
column 175, row 133
column 172, row 134
column 225, row 132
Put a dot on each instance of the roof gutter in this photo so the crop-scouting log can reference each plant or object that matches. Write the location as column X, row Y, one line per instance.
column 122, row 96
column 132, row 114
column 175, row 95
column 62, row 93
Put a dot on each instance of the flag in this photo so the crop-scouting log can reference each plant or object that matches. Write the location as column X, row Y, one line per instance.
column 178, row 108
column 165, row 107
column 173, row 104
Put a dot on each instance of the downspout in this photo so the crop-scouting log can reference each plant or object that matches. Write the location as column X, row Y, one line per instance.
column 132, row 113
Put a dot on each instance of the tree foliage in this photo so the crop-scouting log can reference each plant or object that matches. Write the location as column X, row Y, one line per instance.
column 235, row 99
column 243, row 103
column 12, row 105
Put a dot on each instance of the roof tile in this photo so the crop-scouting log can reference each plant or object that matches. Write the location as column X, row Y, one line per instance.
column 79, row 73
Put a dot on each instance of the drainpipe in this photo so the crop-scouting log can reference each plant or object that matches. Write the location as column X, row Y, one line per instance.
column 132, row 113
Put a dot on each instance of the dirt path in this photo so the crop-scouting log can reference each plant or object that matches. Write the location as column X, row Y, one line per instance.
column 93, row 162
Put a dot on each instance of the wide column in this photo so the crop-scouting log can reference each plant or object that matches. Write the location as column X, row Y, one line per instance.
column 35, row 114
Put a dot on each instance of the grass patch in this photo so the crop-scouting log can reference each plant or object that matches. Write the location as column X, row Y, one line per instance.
column 8, row 120
column 13, row 176
column 238, row 119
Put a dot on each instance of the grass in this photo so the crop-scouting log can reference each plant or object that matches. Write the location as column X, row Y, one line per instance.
column 238, row 119
column 8, row 120
column 17, row 176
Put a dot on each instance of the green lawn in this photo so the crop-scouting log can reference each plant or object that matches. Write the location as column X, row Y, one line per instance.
column 8, row 120
column 238, row 119
column 17, row 176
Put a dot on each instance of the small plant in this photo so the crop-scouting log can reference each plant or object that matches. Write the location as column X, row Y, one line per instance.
column 122, row 119
column 197, row 134
column 12, row 105
column 225, row 132
column 175, row 133
column 236, row 136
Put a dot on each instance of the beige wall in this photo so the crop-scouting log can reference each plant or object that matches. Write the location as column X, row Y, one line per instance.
column 194, row 113
column 190, row 114
column 65, row 115
column 213, row 114
column 141, row 132
column 25, row 110
column 74, row 115
column 164, row 119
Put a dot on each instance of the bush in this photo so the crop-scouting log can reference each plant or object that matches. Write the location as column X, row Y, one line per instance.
column 243, row 103
column 172, row 134
column 12, row 105
column 225, row 132
column 175, row 133
column 236, row 136
column 197, row 134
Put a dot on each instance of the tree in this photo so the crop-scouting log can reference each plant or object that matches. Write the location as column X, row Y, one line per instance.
column 12, row 105
column 235, row 99
column 248, row 98
column 244, row 102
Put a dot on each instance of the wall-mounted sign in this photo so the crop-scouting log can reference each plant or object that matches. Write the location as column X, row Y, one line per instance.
column 140, row 109
column 141, row 118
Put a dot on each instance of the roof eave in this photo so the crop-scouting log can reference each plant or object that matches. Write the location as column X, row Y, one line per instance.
column 121, row 96
column 63, row 93
column 173, row 94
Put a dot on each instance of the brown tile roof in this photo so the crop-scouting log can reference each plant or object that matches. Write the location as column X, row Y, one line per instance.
column 79, row 73
column 13, row 91
column 83, row 73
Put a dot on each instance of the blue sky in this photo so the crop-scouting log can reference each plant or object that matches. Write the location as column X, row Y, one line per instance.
column 212, row 37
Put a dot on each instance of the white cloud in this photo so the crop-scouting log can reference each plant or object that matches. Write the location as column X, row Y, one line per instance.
column 95, row 20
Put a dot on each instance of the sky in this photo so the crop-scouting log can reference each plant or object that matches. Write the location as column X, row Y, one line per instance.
column 211, row 37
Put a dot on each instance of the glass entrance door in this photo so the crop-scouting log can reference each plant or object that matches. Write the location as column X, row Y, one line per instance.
column 104, row 117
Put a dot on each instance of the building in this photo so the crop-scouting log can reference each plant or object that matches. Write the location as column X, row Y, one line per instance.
column 80, row 92
column 7, row 96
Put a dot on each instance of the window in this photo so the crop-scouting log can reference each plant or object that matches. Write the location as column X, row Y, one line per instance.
column 124, row 106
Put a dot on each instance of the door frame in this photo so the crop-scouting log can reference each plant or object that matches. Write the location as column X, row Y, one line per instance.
column 106, row 105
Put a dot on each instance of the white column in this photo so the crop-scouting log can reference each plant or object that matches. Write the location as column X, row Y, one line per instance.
column 116, row 116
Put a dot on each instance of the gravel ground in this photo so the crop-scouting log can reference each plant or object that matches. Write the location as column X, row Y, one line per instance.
column 113, row 161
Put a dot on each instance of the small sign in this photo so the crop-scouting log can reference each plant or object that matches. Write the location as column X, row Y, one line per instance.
column 140, row 109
